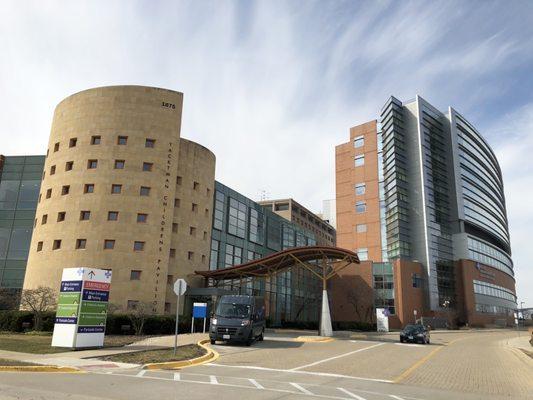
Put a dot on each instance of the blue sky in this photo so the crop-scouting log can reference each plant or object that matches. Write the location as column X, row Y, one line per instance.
column 276, row 85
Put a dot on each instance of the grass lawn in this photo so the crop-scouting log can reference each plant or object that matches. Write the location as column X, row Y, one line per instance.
column 14, row 363
column 40, row 344
column 153, row 356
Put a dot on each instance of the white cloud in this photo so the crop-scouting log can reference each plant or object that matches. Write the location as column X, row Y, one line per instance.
column 270, row 87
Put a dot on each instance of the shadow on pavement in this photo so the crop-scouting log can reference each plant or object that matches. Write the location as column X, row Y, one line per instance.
column 266, row 344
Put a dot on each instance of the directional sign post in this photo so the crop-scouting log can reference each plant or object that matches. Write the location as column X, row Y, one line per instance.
column 180, row 286
column 82, row 308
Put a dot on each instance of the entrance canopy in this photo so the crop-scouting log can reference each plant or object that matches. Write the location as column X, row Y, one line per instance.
column 322, row 261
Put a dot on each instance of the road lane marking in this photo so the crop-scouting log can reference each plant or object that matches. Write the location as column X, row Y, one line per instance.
column 335, row 357
column 252, row 388
column 213, row 380
column 301, row 389
column 410, row 344
column 177, row 376
column 353, row 395
column 396, row 397
column 256, row 384
column 141, row 373
column 299, row 372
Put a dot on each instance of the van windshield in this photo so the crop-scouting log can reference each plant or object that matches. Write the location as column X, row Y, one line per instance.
column 233, row 310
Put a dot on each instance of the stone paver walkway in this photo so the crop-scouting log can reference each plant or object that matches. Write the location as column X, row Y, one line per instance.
column 481, row 363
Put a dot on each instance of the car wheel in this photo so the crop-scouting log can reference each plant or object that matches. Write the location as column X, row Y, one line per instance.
column 428, row 342
column 401, row 340
column 213, row 341
column 261, row 336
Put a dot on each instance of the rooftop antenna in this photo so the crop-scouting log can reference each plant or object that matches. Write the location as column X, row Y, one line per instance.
column 263, row 195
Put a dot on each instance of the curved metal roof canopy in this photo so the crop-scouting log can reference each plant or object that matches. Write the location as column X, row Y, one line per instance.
column 323, row 261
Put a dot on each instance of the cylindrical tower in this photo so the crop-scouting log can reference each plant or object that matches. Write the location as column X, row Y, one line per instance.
column 108, row 189
column 193, row 214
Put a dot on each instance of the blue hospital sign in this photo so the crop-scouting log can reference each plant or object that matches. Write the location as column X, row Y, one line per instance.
column 199, row 310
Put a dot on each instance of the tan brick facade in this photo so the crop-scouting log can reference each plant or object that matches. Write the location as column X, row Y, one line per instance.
column 93, row 132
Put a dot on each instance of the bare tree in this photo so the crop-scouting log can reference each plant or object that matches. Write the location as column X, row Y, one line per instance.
column 38, row 301
column 354, row 298
column 138, row 315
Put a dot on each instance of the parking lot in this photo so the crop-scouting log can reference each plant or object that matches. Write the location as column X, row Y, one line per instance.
column 457, row 365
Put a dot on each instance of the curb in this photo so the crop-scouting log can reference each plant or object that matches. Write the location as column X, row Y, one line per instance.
column 313, row 339
column 211, row 355
column 39, row 368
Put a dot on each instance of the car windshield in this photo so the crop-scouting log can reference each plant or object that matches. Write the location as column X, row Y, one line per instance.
column 233, row 310
column 412, row 328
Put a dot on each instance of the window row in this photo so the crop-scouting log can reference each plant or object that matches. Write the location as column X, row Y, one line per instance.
column 90, row 187
column 81, row 243
column 195, row 185
column 85, row 215
column 93, row 164
column 97, row 139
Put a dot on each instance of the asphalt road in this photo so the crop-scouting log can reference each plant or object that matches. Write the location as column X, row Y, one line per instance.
column 456, row 366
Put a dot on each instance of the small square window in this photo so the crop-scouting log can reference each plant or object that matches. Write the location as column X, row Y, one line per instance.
column 112, row 216
column 147, row 166
column 135, row 275
column 56, row 147
column 360, row 160
column 150, row 143
column 142, row 217
column 206, row 212
column 192, row 231
column 167, row 307
column 172, row 253
column 205, row 235
column 96, row 139
column 360, row 207
column 132, row 304
column 360, row 189
column 138, row 246
column 48, row 193
column 170, row 279
column 69, row 165
column 122, row 140
column 195, row 185
column 116, row 189
column 85, row 215
column 81, row 243
column 65, row 190
column 194, row 207
column 56, row 245
column 109, row 244
column 61, row 216
column 44, row 219
column 119, row 164
column 177, row 202
column 175, row 227
column 39, row 246
column 178, row 180
column 92, row 164
column 359, row 141
column 360, row 228
column 52, row 170
column 208, row 192
column 88, row 188
column 190, row 255
column 203, row 259
column 72, row 142
column 145, row 191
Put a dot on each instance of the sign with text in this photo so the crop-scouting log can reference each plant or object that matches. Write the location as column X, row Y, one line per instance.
column 382, row 319
column 82, row 308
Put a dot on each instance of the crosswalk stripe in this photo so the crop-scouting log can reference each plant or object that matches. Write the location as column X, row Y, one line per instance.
column 177, row 376
column 301, row 389
column 352, row 395
column 256, row 384
column 141, row 373
column 213, row 379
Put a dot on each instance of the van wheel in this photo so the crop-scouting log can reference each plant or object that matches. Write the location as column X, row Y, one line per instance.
column 261, row 336
column 250, row 340
column 213, row 341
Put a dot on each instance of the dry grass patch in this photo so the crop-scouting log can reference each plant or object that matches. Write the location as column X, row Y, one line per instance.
column 156, row 356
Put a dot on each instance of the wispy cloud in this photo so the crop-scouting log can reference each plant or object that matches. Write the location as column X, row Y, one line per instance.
column 270, row 87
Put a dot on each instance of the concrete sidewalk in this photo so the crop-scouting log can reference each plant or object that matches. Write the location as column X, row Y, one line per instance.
column 87, row 359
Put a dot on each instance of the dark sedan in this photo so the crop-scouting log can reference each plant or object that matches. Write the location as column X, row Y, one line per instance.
column 415, row 334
